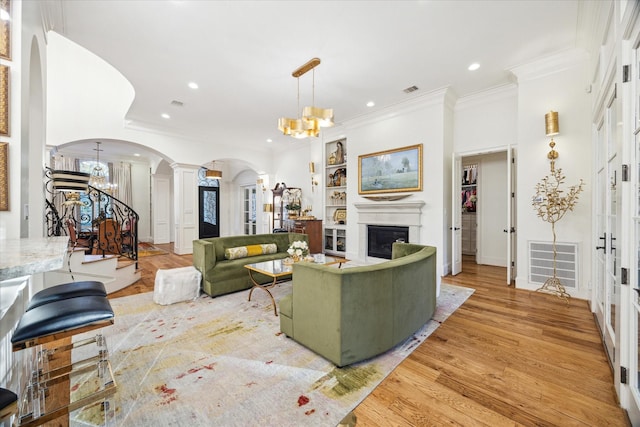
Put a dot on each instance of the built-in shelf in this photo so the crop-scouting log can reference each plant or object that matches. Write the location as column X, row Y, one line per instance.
column 335, row 198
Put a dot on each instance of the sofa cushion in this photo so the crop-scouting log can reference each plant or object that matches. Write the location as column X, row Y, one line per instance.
column 250, row 250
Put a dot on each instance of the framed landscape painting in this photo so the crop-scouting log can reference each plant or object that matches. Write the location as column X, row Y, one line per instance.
column 391, row 171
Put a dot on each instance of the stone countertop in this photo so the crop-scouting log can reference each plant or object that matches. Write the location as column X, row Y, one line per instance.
column 22, row 257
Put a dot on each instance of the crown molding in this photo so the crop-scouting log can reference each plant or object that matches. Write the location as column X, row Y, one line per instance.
column 438, row 97
column 494, row 94
column 549, row 65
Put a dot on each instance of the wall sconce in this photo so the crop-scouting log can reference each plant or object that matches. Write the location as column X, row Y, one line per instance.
column 552, row 127
column 260, row 183
column 267, row 207
column 314, row 181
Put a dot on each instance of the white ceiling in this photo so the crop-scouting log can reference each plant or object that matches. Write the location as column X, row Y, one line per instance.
column 242, row 53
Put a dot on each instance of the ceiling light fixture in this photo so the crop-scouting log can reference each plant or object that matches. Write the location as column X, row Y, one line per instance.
column 193, row 85
column 213, row 173
column 313, row 118
column 165, row 116
column 371, row 104
column 473, row 66
column 98, row 177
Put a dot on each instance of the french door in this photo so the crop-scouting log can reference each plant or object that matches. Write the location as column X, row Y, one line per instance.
column 607, row 225
column 249, row 213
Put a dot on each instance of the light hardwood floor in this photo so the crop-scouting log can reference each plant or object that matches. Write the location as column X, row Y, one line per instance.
column 507, row 357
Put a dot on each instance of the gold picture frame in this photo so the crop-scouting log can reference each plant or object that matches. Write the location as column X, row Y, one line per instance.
column 5, row 31
column 4, row 176
column 4, row 100
column 391, row 171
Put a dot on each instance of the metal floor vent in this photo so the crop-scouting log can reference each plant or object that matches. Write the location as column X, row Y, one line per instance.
column 541, row 263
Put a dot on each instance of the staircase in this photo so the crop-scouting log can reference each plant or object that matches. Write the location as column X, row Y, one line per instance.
column 114, row 271
column 97, row 223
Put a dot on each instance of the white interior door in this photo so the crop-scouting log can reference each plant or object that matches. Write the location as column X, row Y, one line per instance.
column 161, row 204
column 456, row 215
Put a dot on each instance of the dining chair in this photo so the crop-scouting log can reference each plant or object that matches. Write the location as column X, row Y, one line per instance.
column 109, row 238
column 77, row 241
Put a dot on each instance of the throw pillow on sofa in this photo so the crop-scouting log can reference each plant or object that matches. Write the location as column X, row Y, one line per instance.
column 250, row 250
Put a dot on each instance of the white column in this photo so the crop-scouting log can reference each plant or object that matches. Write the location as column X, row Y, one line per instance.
column 185, row 202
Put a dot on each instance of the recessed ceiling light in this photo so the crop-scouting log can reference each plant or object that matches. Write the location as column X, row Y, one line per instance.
column 136, row 154
column 193, row 85
column 269, row 140
column 165, row 116
column 474, row 66
column 371, row 104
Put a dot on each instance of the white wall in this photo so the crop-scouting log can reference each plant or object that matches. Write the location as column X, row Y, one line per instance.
column 557, row 83
column 487, row 120
column 491, row 208
column 141, row 201
column 418, row 122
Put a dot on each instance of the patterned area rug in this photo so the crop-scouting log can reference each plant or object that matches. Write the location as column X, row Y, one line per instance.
column 223, row 361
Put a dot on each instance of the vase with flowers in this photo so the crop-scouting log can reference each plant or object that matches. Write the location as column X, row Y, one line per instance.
column 298, row 250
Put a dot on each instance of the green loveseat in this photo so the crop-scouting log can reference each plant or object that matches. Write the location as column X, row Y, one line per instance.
column 223, row 276
column 350, row 314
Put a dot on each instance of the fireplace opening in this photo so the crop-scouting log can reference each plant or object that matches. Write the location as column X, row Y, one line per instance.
column 380, row 239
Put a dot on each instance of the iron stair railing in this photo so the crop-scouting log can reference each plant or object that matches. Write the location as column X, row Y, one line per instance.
column 109, row 225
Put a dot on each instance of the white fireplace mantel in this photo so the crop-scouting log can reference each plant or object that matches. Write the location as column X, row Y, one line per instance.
column 407, row 214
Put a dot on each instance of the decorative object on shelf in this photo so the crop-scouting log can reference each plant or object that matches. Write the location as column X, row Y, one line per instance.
column 5, row 29
column 4, row 176
column 552, row 128
column 313, row 118
column 213, row 173
column 387, row 198
column 339, row 153
column 339, row 177
column 340, row 216
column 298, row 250
column 4, row 100
column 339, row 197
column 332, row 159
column 552, row 203
column 391, row 171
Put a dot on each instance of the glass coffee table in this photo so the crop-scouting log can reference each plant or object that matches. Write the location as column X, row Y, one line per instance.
column 279, row 270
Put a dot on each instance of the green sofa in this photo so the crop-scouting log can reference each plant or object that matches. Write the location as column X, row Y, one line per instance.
column 223, row 276
column 350, row 314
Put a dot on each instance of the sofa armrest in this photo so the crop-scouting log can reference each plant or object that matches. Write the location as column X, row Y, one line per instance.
column 204, row 256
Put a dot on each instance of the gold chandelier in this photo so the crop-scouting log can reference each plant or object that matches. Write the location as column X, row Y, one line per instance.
column 98, row 177
column 313, row 118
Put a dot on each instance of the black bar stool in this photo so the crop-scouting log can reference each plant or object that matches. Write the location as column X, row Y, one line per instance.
column 66, row 291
